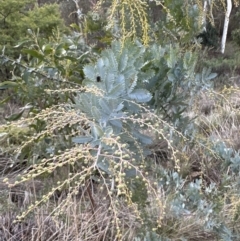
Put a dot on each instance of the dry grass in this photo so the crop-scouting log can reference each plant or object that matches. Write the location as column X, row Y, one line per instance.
column 79, row 220
column 8, row 110
column 219, row 115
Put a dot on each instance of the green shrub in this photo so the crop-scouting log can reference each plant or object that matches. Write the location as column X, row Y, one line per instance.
column 209, row 37
column 52, row 63
column 19, row 17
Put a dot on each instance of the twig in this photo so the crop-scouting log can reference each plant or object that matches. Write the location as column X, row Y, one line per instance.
column 39, row 73
column 93, row 206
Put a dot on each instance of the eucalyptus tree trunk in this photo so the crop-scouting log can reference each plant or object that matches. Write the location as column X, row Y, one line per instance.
column 226, row 22
column 204, row 22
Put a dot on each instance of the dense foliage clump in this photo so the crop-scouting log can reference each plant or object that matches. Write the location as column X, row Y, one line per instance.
column 20, row 18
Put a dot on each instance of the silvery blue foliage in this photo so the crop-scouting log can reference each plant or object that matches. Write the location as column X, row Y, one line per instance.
column 230, row 156
column 190, row 200
column 175, row 84
column 175, row 70
column 127, row 76
column 117, row 79
column 119, row 70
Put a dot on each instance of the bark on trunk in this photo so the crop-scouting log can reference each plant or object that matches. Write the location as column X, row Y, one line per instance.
column 204, row 22
column 225, row 28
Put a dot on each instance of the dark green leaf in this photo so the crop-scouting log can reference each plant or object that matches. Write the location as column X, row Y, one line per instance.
column 8, row 84
column 15, row 116
column 34, row 53
column 4, row 100
column 21, row 43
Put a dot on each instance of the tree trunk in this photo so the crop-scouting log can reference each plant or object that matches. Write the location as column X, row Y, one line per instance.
column 225, row 28
column 204, row 22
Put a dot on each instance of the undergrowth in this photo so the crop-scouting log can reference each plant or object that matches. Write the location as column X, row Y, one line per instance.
column 132, row 142
column 113, row 172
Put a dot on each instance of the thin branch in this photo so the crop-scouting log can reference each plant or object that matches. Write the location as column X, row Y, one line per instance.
column 38, row 73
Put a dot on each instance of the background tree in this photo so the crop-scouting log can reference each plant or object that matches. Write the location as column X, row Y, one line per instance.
column 16, row 17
